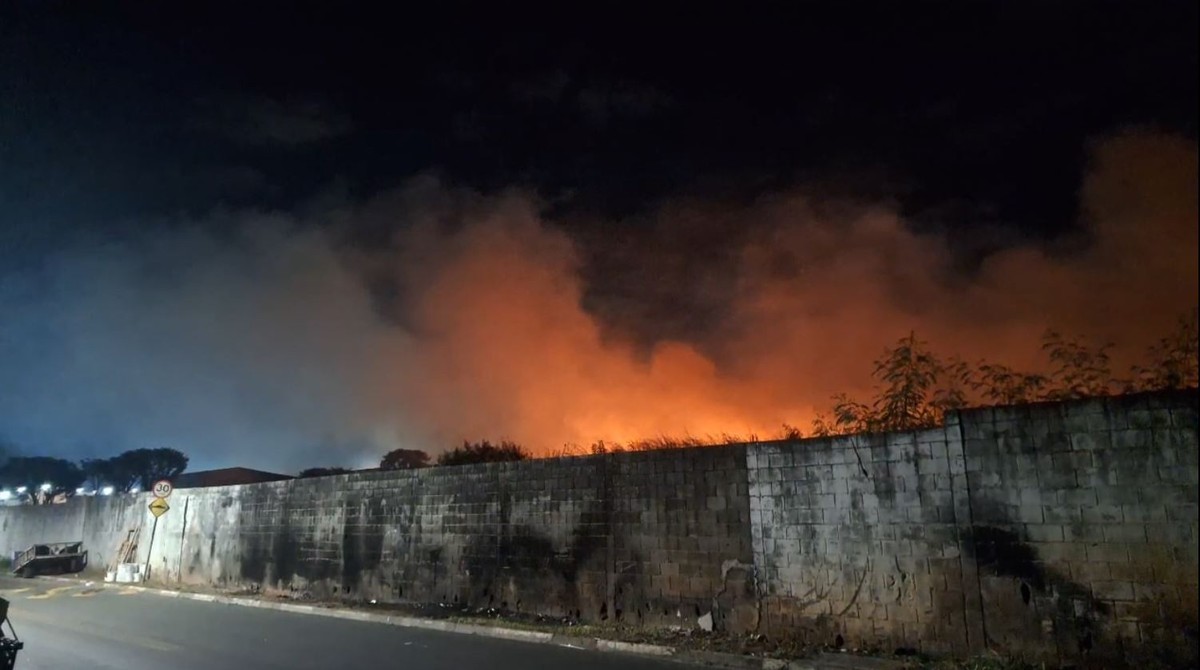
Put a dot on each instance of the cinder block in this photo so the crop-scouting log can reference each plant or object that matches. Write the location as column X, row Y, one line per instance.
column 1144, row 513
column 1102, row 514
column 1112, row 590
column 1024, row 514
column 1033, row 497
column 1132, row 439
column 824, row 500
column 1051, row 441
column 927, row 482
column 987, row 479
column 1062, row 552
column 808, row 516
column 838, row 515
column 1133, row 572
column 1088, row 571
column 1171, row 533
column 1107, row 552
column 1128, row 533
column 1149, row 418
column 1099, row 423
column 921, row 514
column 1072, row 460
column 1117, row 495
column 1082, row 532
column 906, row 496
column 1186, row 418
column 1183, row 511
column 937, row 498
column 779, row 460
column 1176, row 474
column 1044, row 532
column 1077, row 496
column 1045, row 462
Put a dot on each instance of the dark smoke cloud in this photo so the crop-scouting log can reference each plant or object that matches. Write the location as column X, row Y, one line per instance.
column 431, row 314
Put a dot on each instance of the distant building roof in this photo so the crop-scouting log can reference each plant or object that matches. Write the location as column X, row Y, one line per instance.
column 225, row 477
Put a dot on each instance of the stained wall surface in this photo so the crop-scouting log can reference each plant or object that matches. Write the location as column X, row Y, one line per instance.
column 1055, row 530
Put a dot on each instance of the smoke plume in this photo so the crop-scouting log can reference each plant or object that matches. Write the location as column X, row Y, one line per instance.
column 282, row 341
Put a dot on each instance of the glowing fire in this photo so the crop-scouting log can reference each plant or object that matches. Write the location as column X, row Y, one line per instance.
column 506, row 349
column 271, row 344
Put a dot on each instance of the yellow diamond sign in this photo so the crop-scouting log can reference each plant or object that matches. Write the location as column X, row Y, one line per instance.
column 159, row 507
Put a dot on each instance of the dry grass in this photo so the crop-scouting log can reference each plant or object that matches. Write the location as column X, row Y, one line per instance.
column 662, row 442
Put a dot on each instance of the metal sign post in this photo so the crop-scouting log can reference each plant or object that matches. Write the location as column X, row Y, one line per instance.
column 158, row 507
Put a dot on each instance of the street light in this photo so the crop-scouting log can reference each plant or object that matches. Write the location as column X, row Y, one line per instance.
column 5, row 494
column 135, row 489
column 79, row 491
column 106, row 491
column 21, row 489
column 46, row 487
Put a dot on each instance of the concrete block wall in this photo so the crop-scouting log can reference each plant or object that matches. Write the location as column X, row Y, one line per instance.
column 648, row 538
column 857, row 540
column 96, row 521
column 681, row 538
column 1084, row 524
column 1052, row 531
column 43, row 523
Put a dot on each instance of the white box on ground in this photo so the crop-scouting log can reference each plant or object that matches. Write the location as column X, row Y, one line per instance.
column 129, row 573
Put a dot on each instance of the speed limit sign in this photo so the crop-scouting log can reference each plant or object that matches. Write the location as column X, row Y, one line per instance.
column 161, row 489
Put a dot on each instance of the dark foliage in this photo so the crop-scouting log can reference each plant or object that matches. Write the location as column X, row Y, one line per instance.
column 32, row 472
column 483, row 452
column 322, row 472
column 404, row 459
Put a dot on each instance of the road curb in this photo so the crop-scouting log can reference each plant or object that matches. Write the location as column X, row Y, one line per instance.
column 708, row 658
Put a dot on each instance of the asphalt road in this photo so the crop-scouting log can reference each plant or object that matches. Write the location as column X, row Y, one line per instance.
column 80, row 627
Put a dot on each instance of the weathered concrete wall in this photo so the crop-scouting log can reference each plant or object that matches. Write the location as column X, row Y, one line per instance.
column 96, row 521
column 648, row 538
column 1084, row 524
column 860, row 539
column 1056, row 530
column 1052, row 530
column 47, row 523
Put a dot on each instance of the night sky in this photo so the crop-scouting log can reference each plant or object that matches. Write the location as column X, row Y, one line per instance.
column 283, row 237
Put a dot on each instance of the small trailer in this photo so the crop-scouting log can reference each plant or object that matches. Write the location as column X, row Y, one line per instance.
column 9, row 644
column 55, row 558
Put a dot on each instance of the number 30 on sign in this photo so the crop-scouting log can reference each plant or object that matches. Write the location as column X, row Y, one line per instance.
column 161, row 489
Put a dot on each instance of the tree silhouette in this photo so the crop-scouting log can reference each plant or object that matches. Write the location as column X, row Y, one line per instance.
column 34, row 472
column 1079, row 369
column 323, row 472
column 909, row 372
column 483, row 452
column 1001, row 385
column 99, row 472
column 139, row 468
column 404, row 459
column 915, row 389
column 1173, row 360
